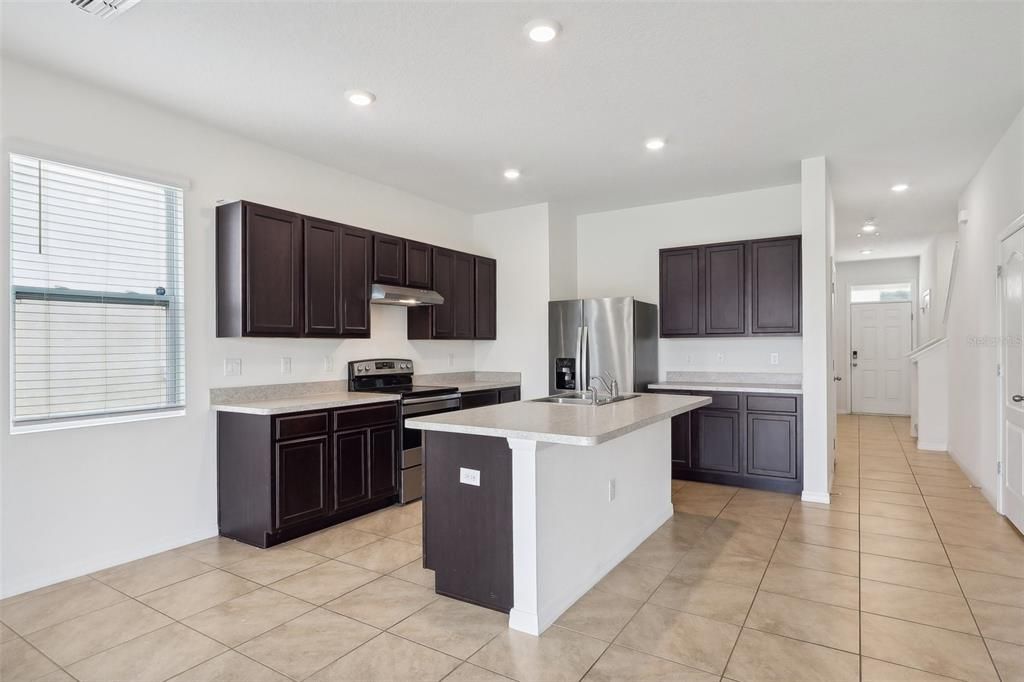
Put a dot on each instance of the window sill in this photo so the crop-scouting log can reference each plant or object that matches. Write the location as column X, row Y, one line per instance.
column 95, row 421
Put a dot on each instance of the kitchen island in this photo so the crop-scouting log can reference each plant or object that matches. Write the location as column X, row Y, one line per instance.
column 528, row 505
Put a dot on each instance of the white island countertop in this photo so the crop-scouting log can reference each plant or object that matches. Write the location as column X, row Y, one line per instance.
column 564, row 424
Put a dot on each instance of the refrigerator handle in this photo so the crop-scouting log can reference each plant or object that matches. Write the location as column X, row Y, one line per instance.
column 585, row 360
column 579, row 356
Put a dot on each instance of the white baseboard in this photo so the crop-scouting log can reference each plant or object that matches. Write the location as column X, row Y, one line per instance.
column 937, row 447
column 73, row 569
column 812, row 496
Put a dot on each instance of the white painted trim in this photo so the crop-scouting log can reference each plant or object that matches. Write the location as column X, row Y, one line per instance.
column 524, row 616
column 1010, row 230
column 932, row 447
column 74, row 569
column 47, row 152
column 811, row 496
column 60, row 425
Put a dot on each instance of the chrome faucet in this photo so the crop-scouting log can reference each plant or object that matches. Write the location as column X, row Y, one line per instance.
column 611, row 386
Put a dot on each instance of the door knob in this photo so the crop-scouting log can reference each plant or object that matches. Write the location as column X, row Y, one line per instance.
column 837, row 378
column 1018, row 398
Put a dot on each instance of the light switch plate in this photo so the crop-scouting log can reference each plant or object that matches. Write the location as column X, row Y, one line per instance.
column 469, row 476
column 773, row 358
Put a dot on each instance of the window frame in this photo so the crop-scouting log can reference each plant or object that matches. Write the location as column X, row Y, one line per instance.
column 176, row 345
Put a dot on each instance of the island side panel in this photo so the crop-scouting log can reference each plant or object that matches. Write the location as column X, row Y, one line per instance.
column 581, row 534
column 467, row 529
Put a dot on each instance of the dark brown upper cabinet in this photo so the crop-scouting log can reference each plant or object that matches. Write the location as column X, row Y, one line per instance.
column 731, row 289
column 775, row 286
column 259, row 271
column 468, row 285
column 356, row 252
column 680, row 292
column 724, row 297
column 388, row 259
column 322, row 278
column 485, row 285
column 463, row 295
column 418, row 265
column 283, row 274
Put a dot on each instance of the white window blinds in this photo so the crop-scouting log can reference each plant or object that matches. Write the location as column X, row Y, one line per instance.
column 98, row 293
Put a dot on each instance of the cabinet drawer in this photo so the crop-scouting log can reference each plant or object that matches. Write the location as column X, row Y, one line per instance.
column 301, row 425
column 721, row 401
column 355, row 417
column 772, row 403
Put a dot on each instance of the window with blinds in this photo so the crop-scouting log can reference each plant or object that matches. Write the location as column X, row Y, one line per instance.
column 97, row 289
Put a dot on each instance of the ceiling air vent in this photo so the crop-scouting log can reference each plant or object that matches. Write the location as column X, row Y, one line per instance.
column 104, row 8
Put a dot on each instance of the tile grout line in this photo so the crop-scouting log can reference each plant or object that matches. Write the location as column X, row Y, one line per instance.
column 956, row 577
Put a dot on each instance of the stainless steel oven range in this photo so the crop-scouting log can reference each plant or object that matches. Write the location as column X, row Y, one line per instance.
column 390, row 375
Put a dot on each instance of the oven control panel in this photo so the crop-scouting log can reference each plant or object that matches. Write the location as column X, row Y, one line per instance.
column 368, row 368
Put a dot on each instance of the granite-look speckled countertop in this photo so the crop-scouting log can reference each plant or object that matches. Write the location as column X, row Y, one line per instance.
column 742, row 382
column 273, row 399
column 565, row 424
column 467, row 382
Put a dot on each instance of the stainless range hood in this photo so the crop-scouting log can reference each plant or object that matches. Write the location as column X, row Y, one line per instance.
column 387, row 294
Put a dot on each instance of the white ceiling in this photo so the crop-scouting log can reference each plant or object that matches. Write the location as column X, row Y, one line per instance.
column 915, row 92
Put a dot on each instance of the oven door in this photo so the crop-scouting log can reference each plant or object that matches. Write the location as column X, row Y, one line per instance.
column 412, row 439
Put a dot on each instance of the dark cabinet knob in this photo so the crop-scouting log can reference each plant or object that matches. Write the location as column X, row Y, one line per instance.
column 1018, row 398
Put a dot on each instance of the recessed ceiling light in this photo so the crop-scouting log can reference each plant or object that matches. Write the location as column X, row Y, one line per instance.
column 865, row 252
column 859, row 235
column 512, row 174
column 655, row 143
column 542, row 30
column 901, row 187
column 360, row 98
column 869, row 227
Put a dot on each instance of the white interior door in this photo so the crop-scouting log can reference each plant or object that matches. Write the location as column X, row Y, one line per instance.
column 880, row 370
column 1012, row 309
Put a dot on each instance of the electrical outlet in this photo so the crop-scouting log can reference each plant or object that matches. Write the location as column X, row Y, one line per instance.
column 286, row 365
column 469, row 476
column 773, row 358
column 689, row 358
column 232, row 367
column 720, row 357
column 611, row 490
column 328, row 363
column 451, row 359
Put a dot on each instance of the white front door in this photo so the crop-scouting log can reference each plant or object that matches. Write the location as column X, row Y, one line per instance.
column 1012, row 309
column 879, row 343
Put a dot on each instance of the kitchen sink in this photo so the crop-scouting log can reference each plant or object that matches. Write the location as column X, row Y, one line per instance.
column 583, row 398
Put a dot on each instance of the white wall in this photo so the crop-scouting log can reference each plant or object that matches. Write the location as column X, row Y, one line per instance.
column 563, row 252
column 993, row 200
column 519, row 239
column 934, row 275
column 78, row 500
column 818, row 244
column 880, row 271
column 618, row 256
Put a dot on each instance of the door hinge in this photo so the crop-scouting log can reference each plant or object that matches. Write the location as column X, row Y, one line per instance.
column 999, row 370
column 999, row 468
column 999, row 271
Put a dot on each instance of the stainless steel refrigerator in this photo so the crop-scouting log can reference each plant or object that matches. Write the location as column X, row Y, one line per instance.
column 596, row 336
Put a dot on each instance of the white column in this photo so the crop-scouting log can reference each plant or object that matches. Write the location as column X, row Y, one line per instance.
column 819, row 390
column 524, row 615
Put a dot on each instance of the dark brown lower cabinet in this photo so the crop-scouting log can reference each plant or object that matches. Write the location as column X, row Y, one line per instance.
column 467, row 529
column 282, row 476
column 750, row 440
column 472, row 399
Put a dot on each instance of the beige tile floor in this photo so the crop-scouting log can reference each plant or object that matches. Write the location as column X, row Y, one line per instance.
column 908, row 575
